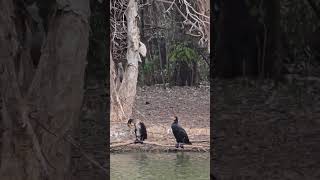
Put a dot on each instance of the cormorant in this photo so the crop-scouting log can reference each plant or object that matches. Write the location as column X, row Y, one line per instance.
column 179, row 133
column 140, row 130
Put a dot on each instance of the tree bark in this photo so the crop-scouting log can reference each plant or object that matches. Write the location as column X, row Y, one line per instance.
column 18, row 150
column 123, row 100
column 90, row 162
column 117, row 113
column 38, row 119
column 127, row 89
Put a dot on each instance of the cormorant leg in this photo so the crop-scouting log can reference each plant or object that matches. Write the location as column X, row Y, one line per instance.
column 177, row 145
column 181, row 145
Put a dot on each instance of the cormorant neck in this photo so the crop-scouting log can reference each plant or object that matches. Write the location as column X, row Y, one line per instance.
column 176, row 119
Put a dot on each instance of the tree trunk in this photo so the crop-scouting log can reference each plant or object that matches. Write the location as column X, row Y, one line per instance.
column 92, row 133
column 161, row 63
column 273, row 55
column 123, row 100
column 196, row 73
column 117, row 113
column 38, row 119
column 236, row 43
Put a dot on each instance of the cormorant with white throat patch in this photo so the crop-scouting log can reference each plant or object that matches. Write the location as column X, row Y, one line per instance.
column 140, row 130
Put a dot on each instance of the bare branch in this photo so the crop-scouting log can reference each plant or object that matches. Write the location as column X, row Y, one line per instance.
column 197, row 21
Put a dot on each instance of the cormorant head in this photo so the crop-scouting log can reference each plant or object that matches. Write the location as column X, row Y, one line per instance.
column 130, row 123
column 175, row 119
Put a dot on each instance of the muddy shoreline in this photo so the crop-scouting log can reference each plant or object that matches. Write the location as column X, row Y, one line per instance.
column 190, row 104
column 156, row 147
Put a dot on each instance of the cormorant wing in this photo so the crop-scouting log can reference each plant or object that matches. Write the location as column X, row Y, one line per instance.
column 179, row 133
column 185, row 137
column 143, row 131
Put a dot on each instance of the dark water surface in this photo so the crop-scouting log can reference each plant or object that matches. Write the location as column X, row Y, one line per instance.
column 166, row 166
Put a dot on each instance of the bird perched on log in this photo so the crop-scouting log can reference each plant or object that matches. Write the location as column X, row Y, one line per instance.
column 140, row 130
column 179, row 133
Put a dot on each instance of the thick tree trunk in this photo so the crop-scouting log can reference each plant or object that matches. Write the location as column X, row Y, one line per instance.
column 128, row 86
column 39, row 120
column 18, row 153
column 93, row 136
column 123, row 100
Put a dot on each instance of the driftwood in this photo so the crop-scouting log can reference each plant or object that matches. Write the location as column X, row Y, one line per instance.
column 121, row 144
column 200, row 141
column 169, row 147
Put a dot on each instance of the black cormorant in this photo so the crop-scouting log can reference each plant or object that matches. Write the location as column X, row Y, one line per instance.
column 179, row 133
column 140, row 130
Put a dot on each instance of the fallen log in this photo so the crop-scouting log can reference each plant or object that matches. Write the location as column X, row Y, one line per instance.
column 121, row 144
column 169, row 147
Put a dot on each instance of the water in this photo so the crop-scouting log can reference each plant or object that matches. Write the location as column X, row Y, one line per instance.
column 157, row 166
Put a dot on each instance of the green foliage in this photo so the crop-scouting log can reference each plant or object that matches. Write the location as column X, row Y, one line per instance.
column 182, row 52
column 147, row 71
column 147, row 68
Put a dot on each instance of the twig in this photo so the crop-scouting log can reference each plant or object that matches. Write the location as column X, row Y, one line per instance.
column 170, row 6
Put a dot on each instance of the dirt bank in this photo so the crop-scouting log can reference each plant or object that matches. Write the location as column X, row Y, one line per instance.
column 155, row 106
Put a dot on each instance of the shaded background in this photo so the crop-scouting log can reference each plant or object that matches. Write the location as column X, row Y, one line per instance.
column 265, row 89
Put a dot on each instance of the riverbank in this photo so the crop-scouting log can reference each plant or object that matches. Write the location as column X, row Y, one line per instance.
column 148, row 146
column 155, row 106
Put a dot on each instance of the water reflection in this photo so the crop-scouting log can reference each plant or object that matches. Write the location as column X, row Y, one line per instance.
column 182, row 159
column 157, row 166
